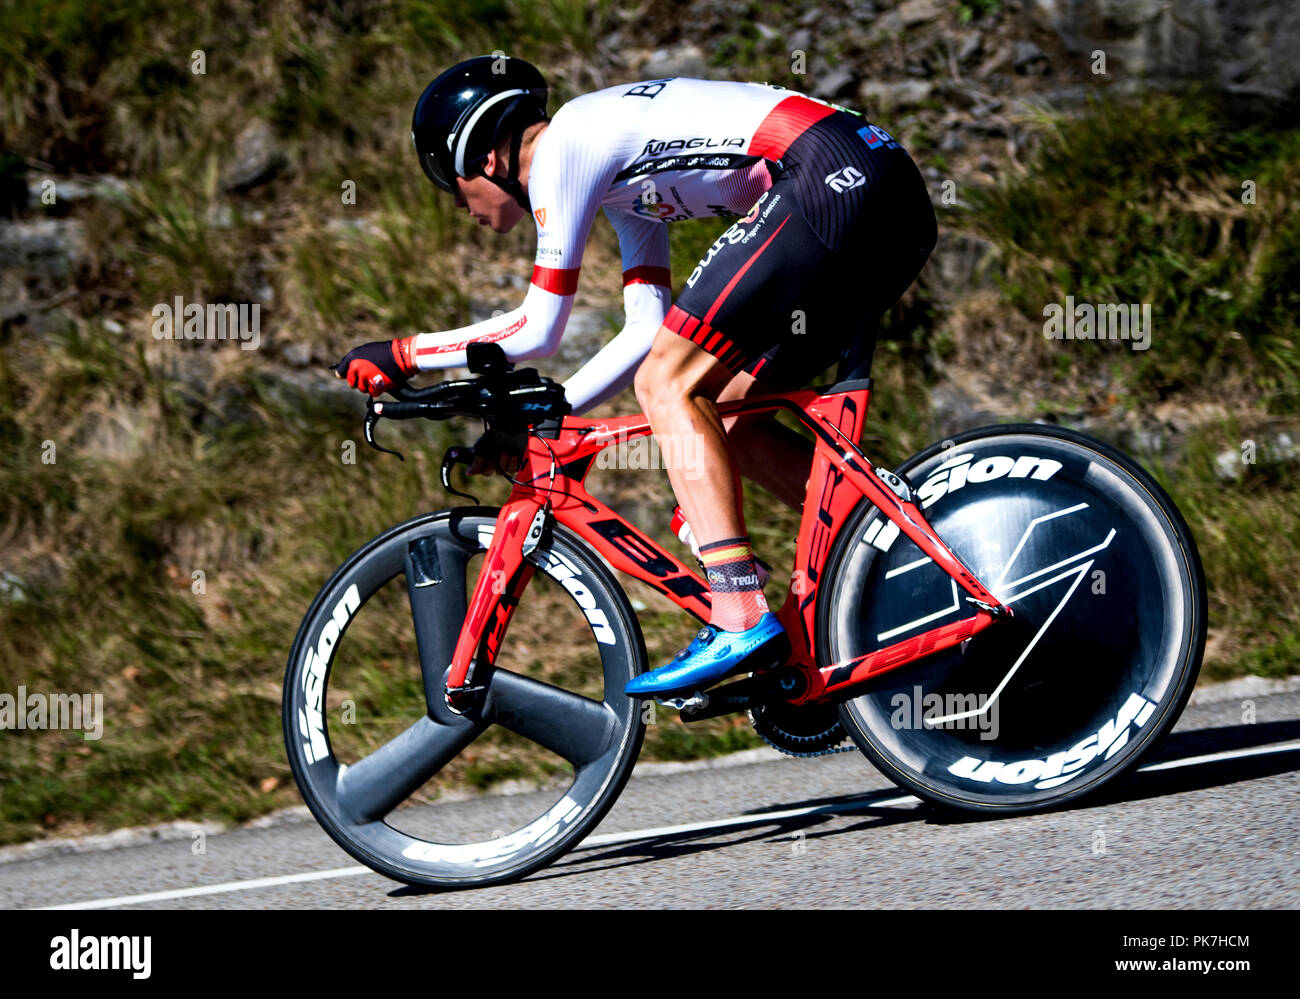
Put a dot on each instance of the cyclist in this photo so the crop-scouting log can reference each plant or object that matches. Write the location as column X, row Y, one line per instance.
column 832, row 223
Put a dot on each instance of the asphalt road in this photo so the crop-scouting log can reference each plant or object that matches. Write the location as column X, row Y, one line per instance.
column 1204, row 833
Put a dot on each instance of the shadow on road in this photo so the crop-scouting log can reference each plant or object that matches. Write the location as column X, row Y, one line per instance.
column 1134, row 786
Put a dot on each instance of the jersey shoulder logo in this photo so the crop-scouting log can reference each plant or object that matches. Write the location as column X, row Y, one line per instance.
column 876, row 137
column 540, row 215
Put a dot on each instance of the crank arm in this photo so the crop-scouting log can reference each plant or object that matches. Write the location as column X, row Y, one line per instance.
column 782, row 684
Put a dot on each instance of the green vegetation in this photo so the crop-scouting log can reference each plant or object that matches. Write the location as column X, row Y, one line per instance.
column 178, row 458
column 1164, row 201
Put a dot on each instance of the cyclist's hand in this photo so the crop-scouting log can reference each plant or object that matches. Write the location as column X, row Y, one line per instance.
column 494, row 450
column 377, row 366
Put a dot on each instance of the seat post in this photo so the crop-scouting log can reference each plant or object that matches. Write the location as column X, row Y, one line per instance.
column 855, row 360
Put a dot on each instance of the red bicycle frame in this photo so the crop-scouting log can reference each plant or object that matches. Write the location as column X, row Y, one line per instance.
column 551, row 483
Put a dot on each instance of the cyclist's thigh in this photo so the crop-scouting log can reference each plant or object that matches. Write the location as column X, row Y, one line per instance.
column 743, row 293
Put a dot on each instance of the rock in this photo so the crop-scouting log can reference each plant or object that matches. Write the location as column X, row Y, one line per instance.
column 1245, row 48
column 953, row 410
column 113, row 326
column 914, row 12
column 290, row 388
column 686, row 59
column 257, row 158
column 1146, row 441
column 298, row 354
column 766, row 32
column 220, row 216
column 1026, row 56
column 12, row 588
column 511, row 279
column 1271, row 451
column 951, row 142
column 999, row 60
column 1228, row 465
column 834, row 83
column 116, row 434
column 46, row 247
column 352, row 226
column 957, row 263
column 800, row 40
column 969, row 46
column 72, row 189
column 888, row 96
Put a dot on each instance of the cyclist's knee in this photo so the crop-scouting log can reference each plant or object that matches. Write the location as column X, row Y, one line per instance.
column 674, row 372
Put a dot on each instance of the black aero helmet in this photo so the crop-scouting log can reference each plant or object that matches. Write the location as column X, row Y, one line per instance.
column 462, row 114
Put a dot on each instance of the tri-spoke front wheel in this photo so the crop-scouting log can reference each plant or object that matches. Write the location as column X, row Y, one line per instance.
column 374, row 746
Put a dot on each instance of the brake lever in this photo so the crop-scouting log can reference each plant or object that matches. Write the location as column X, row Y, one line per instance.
column 372, row 418
column 456, row 456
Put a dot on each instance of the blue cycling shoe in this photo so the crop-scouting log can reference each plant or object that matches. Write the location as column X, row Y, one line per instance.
column 714, row 654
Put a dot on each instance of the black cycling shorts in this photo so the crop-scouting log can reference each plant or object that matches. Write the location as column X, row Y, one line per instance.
column 803, row 279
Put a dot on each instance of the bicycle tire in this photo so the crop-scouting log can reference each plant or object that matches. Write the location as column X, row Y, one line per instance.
column 1062, row 720
column 359, row 812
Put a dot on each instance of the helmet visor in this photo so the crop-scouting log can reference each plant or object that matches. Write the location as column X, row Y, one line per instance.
column 433, row 170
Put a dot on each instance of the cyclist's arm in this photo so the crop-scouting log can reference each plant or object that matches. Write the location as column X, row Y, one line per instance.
column 646, row 297
column 566, row 181
column 531, row 330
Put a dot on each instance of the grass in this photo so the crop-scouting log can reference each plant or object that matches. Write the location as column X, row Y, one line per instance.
column 1142, row 202
column 175, row 458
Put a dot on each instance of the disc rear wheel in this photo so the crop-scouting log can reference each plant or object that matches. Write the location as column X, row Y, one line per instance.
column 1103, row 651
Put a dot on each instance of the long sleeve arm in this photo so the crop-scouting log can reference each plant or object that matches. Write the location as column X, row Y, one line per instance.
column 531, row 330
column 646, row 297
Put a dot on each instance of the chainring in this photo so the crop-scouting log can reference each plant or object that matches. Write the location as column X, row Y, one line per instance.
column 803, row 730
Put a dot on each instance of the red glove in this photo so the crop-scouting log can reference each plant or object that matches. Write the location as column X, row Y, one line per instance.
column 377, row 366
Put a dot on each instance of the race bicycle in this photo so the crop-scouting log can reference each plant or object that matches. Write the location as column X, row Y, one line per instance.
column 1002, row 624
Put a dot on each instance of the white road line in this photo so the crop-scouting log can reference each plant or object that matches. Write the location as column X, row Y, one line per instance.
column 1230, row 754
column 609, row 839
column 163, row 896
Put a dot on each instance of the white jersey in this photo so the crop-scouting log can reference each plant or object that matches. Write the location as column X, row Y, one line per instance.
column 647, row 153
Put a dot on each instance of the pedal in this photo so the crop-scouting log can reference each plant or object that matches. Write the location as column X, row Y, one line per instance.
column 697, row 700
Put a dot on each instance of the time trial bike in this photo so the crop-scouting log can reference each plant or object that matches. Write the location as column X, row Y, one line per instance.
column 1005, row 622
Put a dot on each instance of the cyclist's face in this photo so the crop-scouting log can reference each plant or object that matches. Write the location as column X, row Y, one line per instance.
column 487, row 202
